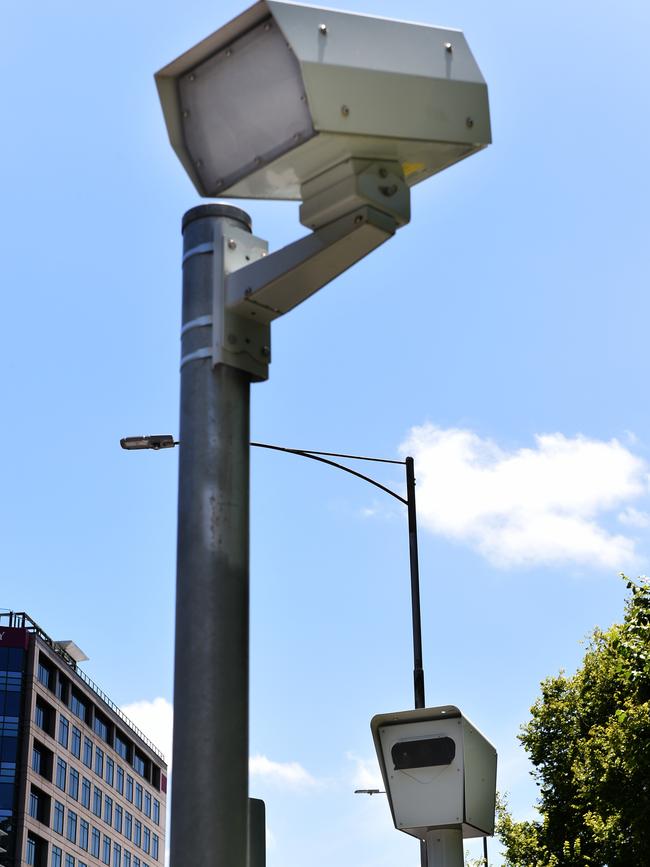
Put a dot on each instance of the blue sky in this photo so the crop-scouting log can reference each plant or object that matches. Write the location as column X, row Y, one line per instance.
column 500, row 337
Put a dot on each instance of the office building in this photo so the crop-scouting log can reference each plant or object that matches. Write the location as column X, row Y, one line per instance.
column 80, row 785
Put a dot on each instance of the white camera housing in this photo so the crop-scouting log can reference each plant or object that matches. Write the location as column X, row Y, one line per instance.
column 439, row 771
column 285, row 92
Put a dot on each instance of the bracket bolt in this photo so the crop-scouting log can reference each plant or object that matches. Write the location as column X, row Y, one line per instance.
column 232, row 244
column 265, row 351
column 469, row 123
column 449, row 47
column 322, row 28
column 345, row 111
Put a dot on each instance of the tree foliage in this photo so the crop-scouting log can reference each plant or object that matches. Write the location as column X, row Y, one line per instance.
column 589, row 742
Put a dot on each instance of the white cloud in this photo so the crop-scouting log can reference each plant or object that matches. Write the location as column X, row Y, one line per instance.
column 285, row 773
column 634, row 518
column 366, row 773
column 528, row 505
column 155, row 719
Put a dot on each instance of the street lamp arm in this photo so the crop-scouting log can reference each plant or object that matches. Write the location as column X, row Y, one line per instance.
column 316, row 457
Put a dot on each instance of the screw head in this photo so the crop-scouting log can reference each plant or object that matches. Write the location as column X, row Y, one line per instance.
column 358, row 219
column 232, row 244
column 191, row 77
column 469, row 123
column 228, row 52
column 345, row 111
column 186, row 113
column 199, row 163
column 449, row 47
column 322, row 28
column 267, row 26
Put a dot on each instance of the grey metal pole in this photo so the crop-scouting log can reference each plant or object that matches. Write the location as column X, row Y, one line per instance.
column 210, row 754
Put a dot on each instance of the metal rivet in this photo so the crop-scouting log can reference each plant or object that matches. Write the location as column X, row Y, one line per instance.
column 199, row 163
column 264, row 253
column 469, row 123
column 322, row 28
column 228, row 52
column 297, row 137
column 267, row 26
column 345, row 111
column 186, row 113
column 218, row 183
column 449, row 47
column 266, row 350
column 232, row 244
column 358, row 219
column 257, row 161
column 191, row 77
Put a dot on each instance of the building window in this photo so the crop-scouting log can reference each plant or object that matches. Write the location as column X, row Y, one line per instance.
column 30, row 851
column 110, row 770
column 71, row 831
column 156, row 811
column 42, row 760
column 61, row 769
column 83, row 834
column 78, row 706
column 139, row 764
column 69, row 861
column 99, row 762
column 119, row 780
column 64, row 728
column 57, row 824
column 117, row 855
column 128, row 824
column 138, row 796
column 121, row 747
column 94, row 842
column 127, row 858
column 118, row 818
column 129, row 788
column 106, row 854
column 62, row 688
column 37, row 759
column 56, row 856
column 100, row 726
column 136, row 861
column 97, row 801
column 33, row 804
column 73, row 784
column 45, row 673
column 147, row 804
column 137, row 834
column 44, row 716
column 146, row 839
column 85, row 793
column 75, row 746
column 88, row 752
column 154, row 846
column 108, row 810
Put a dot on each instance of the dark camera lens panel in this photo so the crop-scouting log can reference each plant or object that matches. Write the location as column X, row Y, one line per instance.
column 426, row 753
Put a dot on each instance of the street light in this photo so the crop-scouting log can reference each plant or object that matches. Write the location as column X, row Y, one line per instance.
column 344, row 113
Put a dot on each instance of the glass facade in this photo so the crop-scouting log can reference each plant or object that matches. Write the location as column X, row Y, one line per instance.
column 12, row 674
column 59, row 740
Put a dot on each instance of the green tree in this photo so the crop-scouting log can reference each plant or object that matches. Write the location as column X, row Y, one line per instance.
column 589, row 741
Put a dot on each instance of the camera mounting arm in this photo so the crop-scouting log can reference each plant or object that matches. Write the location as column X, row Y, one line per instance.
column 352, row 209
